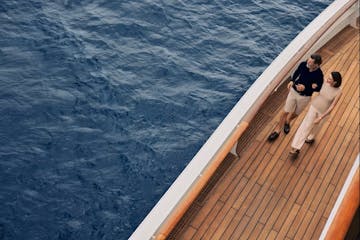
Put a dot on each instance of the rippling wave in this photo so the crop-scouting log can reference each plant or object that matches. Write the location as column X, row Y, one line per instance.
column 103, row 103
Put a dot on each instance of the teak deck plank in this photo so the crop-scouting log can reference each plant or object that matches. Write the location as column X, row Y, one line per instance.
column 264, row 194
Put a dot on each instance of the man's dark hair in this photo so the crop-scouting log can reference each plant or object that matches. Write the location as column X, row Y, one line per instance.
column 317, row 58
column 337, row 79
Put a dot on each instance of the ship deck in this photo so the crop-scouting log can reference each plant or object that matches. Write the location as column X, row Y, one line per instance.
column 263, row 193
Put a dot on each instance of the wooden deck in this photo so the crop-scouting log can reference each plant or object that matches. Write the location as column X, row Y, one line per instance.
column 266, row 195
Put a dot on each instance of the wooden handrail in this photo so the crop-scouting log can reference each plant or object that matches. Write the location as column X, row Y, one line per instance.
column 181, row 208
column 183, row 205
column 284, row 73
column 346, row 211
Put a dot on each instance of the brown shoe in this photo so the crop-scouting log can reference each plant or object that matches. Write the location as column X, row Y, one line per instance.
column 294, row 153
column 310, row 141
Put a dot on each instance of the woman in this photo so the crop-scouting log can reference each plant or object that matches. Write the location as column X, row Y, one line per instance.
column 321, row 106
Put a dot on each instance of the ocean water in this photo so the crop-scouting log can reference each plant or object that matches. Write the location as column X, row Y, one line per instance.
column 104, row 103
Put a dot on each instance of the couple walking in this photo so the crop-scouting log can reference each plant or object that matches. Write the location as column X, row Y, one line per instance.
column 307, row 79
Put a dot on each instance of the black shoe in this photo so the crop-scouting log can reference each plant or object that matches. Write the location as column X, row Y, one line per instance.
column 310, row 141
column 273, row 136
column 286, row 128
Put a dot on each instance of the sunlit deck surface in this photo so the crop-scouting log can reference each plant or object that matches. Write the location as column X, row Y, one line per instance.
column 264, row 194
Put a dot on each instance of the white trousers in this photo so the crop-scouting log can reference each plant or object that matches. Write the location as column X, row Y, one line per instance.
column 306, row 127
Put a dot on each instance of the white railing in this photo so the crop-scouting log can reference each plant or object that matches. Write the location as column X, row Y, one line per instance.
column 173, row 204
column 345, row 207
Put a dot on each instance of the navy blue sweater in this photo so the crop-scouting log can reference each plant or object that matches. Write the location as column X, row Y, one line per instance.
column 302, row 75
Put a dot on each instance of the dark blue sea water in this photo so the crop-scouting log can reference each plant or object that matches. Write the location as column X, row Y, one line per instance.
column 103, row 103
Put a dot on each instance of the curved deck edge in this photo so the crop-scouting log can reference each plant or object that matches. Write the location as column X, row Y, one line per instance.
column 174, row 203
column 345, row 207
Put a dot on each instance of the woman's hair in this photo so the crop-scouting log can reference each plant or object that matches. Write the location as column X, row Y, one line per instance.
column 337, row 79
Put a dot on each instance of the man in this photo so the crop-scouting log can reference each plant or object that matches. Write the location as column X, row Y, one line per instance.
column 307, row 78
